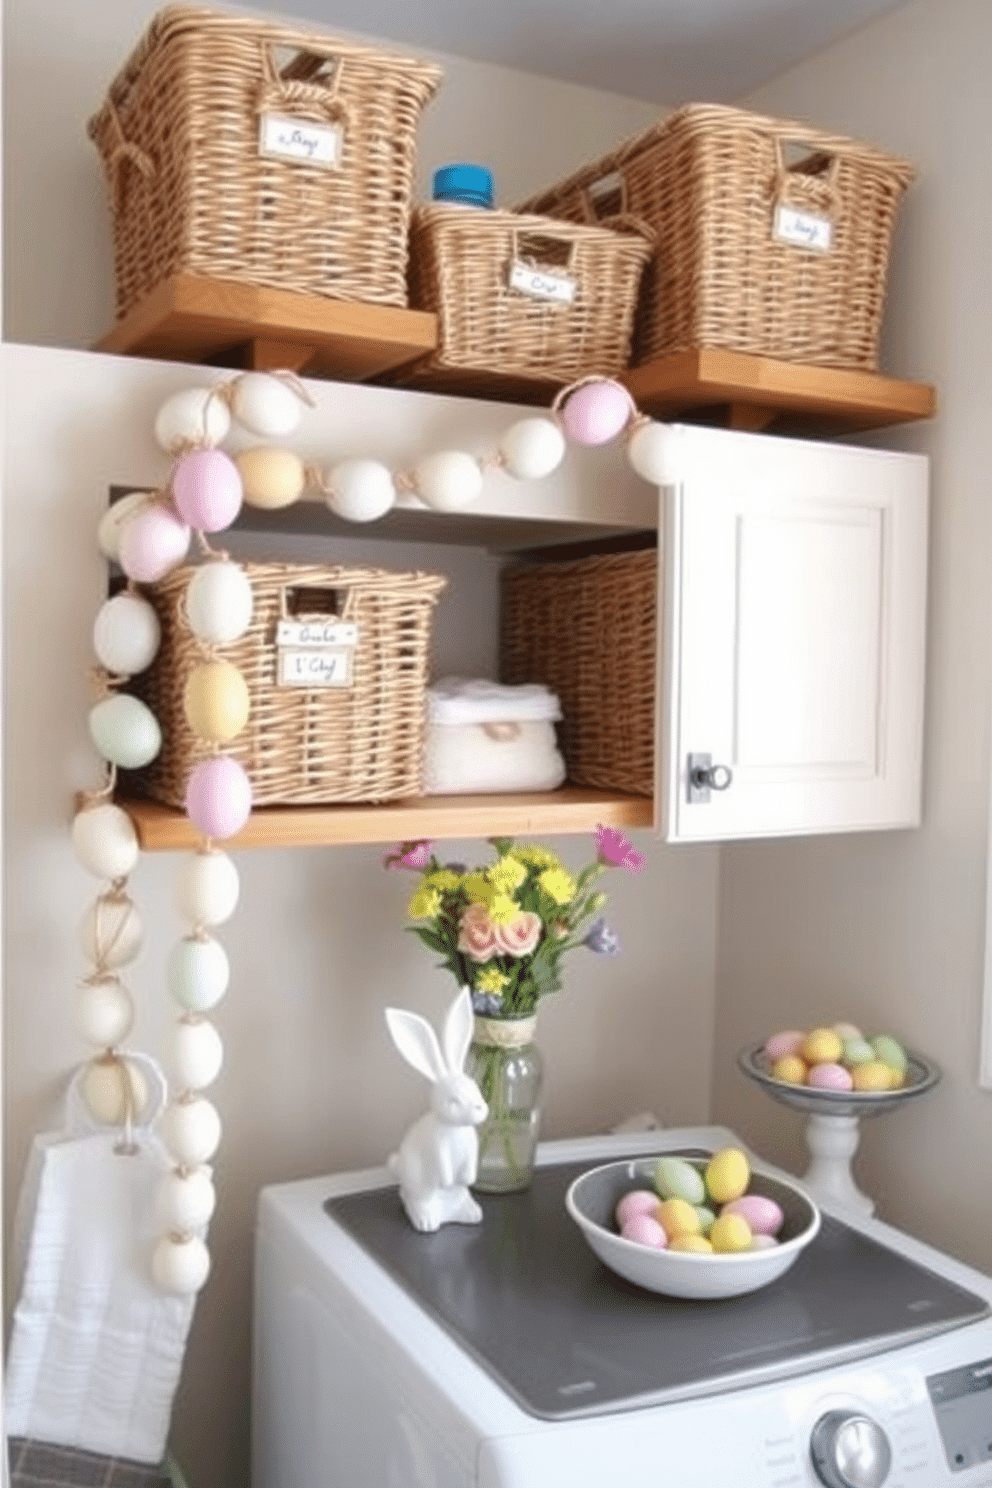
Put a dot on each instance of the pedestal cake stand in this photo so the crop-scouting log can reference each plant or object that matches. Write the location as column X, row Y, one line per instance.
column 832, row 1131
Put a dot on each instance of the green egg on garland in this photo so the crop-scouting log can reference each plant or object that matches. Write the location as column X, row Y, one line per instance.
column 148, row 536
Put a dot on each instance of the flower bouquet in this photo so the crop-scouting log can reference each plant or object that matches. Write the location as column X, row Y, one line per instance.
column 502, row 929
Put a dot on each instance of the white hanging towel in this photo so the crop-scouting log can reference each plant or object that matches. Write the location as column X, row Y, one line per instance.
column 96, row 1349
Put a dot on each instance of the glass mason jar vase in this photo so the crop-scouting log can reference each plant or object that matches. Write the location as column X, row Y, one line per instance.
column 506, row 1065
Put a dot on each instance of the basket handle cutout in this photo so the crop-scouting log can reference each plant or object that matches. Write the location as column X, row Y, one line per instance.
column 605, row 197
column 296, row 600
column 543, row 248
column 308, row 79
column 802, row 164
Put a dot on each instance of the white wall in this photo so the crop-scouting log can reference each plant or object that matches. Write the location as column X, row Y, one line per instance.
column 317, row 947
column 888, row 930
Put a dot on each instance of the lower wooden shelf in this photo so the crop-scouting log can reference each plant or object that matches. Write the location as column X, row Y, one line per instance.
column 569, row 810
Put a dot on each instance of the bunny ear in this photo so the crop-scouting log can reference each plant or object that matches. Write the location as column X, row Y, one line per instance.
column 414, row 1037
column 458, row 1030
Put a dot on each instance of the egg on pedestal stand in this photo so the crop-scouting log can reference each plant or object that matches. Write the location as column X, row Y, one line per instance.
column 832, row 1114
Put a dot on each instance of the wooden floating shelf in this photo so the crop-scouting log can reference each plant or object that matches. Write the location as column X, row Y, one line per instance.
column 571, row 809
column 193, row 319
column 751, row 392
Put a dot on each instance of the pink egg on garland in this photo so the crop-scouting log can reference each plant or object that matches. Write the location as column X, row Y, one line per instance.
column 218, row 797
column 207, row 489
column 152, row 543
column 596, row 412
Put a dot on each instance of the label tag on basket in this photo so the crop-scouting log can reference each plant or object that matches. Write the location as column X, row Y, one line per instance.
column 316, row 633
column 286, row 138
column 324, row 668
column 803, row 229
column 542, row 284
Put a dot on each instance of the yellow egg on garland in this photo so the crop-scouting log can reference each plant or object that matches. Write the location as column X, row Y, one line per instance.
column 216, row 701
column 272, row 478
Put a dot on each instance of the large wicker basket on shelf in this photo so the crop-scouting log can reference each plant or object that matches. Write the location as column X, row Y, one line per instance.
column 587, row 628
column 525, row 296
column 305, row 745
column 244, row 150
column 773, row 238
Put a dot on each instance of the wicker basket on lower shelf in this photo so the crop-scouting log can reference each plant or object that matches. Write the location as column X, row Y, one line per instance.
column 587, row 629
column 304, row 745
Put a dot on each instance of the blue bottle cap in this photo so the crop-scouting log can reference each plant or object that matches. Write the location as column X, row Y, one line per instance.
column 467, row 183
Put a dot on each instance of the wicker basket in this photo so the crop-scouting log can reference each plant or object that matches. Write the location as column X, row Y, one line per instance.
column 182, row 134
column 587, row 628
column 733, row 269
column 304, row 745
column 492, row 278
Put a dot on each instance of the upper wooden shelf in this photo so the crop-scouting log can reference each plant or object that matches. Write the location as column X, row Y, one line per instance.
column 751, row 392
column 570, row 809
column 193, row 319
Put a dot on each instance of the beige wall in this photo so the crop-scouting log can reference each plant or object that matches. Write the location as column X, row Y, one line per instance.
column 888, row 930
column 317, row 948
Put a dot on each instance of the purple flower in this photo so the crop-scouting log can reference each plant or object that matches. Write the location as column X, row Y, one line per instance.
column 486, row 1005
column 614, row 850
column 413, row 855
column 602, row 940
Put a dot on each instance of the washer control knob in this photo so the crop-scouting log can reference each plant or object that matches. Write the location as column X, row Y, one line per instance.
column 850, row 1451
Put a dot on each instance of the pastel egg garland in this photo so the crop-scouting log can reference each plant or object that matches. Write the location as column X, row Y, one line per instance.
column 148, row 535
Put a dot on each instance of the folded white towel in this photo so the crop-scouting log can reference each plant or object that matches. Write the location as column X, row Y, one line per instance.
column 477, row 700
column 96, row 1349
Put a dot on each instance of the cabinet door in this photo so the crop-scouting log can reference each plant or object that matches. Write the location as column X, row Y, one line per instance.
column 793, row 653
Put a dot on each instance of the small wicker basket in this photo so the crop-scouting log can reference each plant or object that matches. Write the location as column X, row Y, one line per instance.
column 756, row 252
column 243, row 150
column 304, row 745
column 587, row 629
column 525, row 297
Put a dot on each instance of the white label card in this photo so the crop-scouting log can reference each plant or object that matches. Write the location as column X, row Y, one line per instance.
column 324, row 668
column 542, row 284
column 300, row 139
column 803, row 229
column 316, row 633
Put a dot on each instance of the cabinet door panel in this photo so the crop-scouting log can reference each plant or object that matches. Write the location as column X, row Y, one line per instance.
column 795, row 592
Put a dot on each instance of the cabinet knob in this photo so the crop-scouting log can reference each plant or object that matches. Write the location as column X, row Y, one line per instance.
column 703, row 776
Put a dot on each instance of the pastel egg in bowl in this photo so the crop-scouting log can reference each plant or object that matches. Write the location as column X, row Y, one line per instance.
column 592, row 1199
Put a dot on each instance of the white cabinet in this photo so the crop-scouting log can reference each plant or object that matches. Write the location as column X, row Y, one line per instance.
column 792, row 649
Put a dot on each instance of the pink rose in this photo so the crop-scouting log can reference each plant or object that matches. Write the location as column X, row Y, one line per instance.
column 520, row 935
column 477, row 934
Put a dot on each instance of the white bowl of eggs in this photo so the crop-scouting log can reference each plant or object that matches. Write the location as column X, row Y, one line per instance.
column 693, row 1227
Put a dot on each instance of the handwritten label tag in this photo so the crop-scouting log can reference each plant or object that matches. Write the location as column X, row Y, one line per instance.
column 803, row 229
column 300, row 139
column 316, row 633
column 542, row 284
column 324, row 668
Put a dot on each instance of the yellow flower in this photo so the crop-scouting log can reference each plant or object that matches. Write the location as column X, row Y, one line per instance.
column 537, row 856
column 424, row 905
column 477, row 888
column 490, row 980
column 506, row 875
column 441, row 880
column 557, row 884
column 503, row 909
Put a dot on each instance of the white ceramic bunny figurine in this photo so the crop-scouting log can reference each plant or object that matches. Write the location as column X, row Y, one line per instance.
column 437, row 1159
